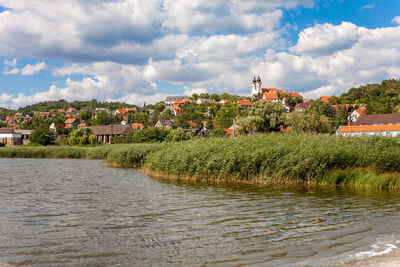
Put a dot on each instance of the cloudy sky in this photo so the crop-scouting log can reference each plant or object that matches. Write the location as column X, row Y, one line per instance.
column 139, row 51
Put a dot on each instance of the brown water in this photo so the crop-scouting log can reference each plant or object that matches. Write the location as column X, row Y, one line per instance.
column 80, row 213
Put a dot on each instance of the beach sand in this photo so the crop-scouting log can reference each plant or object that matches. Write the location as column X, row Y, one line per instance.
column 391, row 259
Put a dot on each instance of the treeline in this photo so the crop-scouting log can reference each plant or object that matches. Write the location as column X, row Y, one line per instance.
column 380, row 98
column 78, row 105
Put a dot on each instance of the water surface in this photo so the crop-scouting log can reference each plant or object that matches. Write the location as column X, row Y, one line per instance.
column 79, row 212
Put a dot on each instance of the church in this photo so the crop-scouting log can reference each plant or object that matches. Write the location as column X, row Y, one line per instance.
column 268, row 94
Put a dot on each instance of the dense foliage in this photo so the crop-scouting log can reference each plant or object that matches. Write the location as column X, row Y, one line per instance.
column 379, row 98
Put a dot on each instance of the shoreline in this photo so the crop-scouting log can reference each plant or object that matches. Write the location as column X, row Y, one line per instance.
column 390, row 259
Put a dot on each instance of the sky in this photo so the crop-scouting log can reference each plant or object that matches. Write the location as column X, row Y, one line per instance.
column 140, row 51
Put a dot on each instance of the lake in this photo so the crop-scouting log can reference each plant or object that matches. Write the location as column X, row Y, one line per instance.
column 81, row 213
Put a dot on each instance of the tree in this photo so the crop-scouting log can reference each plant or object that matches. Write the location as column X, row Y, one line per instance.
column 310, row 123
column 41, row 136
column 264, row 117
column 83, row 136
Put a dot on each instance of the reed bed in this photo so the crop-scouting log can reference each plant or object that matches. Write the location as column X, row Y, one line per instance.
column 281, row 159
column 261, row 159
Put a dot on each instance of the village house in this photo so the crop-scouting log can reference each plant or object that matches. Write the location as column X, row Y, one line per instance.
column 163, row 123
column 326, row 99
column 105, row 133
column 355, row 115
column 124, row 112
column 380, row 124
column 271, row 97
column 172, row 99
column 10, row 136
column 203, row 101
column 245, row 103
column 302, row 107
column 137, row 126
column 25, row 136
column 71, row 123
column 224, row 101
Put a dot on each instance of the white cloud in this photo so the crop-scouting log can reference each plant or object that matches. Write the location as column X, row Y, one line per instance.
column 10, row 71
column 369, row 6
column 396, row 20
column 190, row 91
column 12, row 63
column 326, row 39
column 32, row 69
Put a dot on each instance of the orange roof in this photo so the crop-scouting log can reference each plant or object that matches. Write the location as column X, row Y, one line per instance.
column 245, row 103
column 230, row 131
column 136, row 126
column 130, row 109
column 271, row 95
column 265, row 100
column 192, row 124
column 294, row 94
column 325, row 99
column 178, row 103
column 281, row 92
column 369, row 128
column 178, row 110
column 269, row 90
column 361, row 111
column 70, row 120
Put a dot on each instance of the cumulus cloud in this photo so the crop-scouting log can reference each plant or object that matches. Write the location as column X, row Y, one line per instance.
column 326, row 38
column 32, row 69
column 10, row 71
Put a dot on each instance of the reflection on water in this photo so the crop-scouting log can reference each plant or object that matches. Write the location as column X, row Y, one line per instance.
column 78, row 212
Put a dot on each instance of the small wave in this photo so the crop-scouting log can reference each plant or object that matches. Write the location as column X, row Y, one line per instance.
column 379, row 248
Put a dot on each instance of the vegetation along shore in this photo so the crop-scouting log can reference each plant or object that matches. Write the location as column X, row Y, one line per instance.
column 260, row 159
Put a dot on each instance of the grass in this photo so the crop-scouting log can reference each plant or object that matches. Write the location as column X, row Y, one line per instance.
column 262, row 159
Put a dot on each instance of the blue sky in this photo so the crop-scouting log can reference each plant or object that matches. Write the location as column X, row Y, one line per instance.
column 143, row 50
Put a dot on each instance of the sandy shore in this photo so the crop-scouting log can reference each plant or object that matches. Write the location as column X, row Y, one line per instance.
column 392, row 259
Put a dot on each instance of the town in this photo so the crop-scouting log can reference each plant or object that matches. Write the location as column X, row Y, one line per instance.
column 180, row 118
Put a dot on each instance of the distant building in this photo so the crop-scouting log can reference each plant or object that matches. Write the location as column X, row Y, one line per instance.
column 163, row 123
column 302, row 107
column 384, row 130
column 71, row 123
column 25, row 136
column 326, row 99
column 105, row 133
column 137, row 126
column 245, row 103
column 355, row 115
column 203, row 101
column 172, row 99
column 10, row 136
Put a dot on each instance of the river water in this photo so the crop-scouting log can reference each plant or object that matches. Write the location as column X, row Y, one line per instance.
column 80, row 213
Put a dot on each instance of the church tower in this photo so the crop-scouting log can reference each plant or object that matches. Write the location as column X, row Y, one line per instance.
column 254, row 89
column 259, row 83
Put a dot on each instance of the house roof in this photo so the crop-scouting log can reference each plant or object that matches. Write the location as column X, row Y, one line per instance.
column 70, row 120
column 245, row 103
column 271, row 95
column 325, row 99
column 294, row 94
column 136, row 126
column 175, row 98
column 304, row 105
column 369, row 128
column 378, row 119
column 192, row 124
column 8, row 131
column 25, row 132
column 360, row 111
column 111, row 129
column 266, row 90
column 178, row 103
column 178, row 110
column 164, row 122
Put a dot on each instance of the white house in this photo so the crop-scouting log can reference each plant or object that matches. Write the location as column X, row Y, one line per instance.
column 10, row 136
column 355, row 115
column 384, row 130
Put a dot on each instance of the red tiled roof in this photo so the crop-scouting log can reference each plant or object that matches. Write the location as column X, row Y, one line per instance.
column 271, row 95
column 245, row 103
column 267, row 90
column 192, row 124
column 178, row 110
column 325, row 99
column 303, row 105
column 178, row 103
column 294, row 94
column 70, row 120
column 360, row 111
column 265, row 100
column 369, row 128
column 136, row 126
